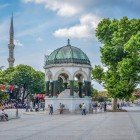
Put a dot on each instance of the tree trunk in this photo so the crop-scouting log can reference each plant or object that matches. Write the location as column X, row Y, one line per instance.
column 26, row 95
column 114, row 104
column 23, row 95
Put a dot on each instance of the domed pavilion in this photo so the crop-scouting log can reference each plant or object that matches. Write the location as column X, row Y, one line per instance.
column 67, row 77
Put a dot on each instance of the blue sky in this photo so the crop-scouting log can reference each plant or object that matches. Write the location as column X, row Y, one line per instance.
column 44, row 25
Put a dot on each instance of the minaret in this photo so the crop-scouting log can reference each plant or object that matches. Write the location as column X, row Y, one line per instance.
column 11, row 45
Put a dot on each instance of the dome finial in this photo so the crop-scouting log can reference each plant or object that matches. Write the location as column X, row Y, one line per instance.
column 68, row 41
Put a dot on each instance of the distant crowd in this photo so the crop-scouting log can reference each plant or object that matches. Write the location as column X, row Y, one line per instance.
column 36, row 106
column 10, row 104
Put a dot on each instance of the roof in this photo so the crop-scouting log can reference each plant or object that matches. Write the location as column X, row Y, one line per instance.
column 67, row 54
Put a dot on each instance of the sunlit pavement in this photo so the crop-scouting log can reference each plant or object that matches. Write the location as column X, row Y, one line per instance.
column 100, row 126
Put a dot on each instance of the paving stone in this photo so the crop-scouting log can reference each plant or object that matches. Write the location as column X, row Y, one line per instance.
column 100, row 126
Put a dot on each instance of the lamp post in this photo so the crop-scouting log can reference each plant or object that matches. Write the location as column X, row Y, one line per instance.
column 16, row 103
column 16, row 109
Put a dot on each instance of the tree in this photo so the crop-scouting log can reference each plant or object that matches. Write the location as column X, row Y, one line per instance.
column 26, row 79
column 115, row 35
column 129, row 67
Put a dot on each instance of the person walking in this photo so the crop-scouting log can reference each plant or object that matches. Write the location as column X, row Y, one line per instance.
column 36, row 108
column 100, row 107
column 118, row 105
column 61, row 108
column 96, row 106
column 3, row 115
column 105, row 106
column 27, row 106
column 83, row 109
column 51, row 109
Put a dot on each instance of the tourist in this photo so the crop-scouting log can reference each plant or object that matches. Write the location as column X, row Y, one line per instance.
column 105, row 106
column 61, row 108
column 43, row 107
column 51, row 109
column 83, row 109
column 94, row 106
column 36, row 108
column 118, row 105
column 31, row 106
column 101, row 107
column 27, row 106
column 3, row 115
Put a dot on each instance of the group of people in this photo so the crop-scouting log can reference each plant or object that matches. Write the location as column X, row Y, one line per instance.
column 95, row 106
column 98, row 106
column 61, row 108
column 11, row 104
column 30, row 106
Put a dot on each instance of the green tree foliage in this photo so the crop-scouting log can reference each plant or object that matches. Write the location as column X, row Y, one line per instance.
column 26, row 79
column 3, row 97
column 120, row 55
column 130, row 66
column 98, row 74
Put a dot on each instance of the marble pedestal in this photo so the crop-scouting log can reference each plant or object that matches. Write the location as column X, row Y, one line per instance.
column 72, row 104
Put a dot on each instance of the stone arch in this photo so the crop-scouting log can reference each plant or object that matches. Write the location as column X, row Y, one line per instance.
column 62, row 71
column 83, row 73
column 62, row 77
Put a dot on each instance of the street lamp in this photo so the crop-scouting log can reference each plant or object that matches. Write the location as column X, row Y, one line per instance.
column 16, row 103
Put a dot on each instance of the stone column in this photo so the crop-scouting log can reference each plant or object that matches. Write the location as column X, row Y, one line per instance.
column 52, row 87
column 55, row 91
column 87, row 88
column 80, row 89
column 47, row 88
column 71, row 87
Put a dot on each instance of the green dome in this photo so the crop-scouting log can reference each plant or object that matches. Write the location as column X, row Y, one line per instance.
column 67, row 54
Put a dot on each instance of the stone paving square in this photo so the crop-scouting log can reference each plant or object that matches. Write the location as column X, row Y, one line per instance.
column 100, row 126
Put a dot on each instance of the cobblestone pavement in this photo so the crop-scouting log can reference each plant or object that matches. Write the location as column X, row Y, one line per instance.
column 100, row 126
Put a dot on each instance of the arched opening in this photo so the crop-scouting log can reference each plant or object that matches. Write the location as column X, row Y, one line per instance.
column 63, row 81
column 60, row 83
column 82, row 85
column 49, row 78
column 78, row 84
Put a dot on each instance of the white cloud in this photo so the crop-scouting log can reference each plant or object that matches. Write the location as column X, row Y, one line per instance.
column 62, row 7
column 39, row 39
column 85, row 29
column 18, row 43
